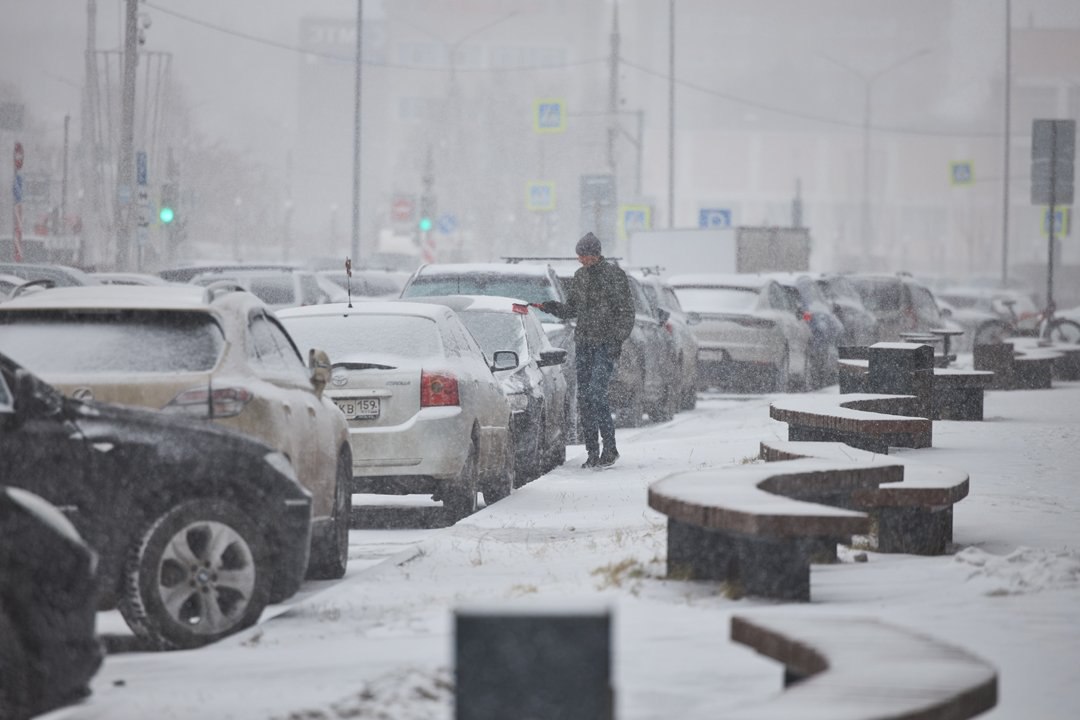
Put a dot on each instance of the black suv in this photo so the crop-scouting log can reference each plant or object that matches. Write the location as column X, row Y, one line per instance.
column 197, row 527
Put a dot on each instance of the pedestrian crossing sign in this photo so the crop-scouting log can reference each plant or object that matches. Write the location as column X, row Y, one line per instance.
column 549, row 115
column 540, row 195
column 633, row 218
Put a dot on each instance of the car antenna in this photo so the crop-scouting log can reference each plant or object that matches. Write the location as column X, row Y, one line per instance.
column 348, row 278
column 210, row 397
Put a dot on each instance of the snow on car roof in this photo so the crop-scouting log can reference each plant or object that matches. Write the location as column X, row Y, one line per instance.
column 157, row 297
column 736, row 280
column 368, row 307
column 477, row 303
column 485, row 268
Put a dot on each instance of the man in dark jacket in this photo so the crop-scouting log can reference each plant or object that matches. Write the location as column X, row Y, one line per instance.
column 600, row 299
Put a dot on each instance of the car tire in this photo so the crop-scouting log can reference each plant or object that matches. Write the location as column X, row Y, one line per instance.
column 15, row 679
column 665, row 409
column 216, row 536
column 330, row 551
column 631, row 412
column 782, row 375
column 688, row 400
column 460, row 499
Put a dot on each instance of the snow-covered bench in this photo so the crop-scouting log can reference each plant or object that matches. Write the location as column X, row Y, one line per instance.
column 857, row 668
column 743, row 524
column 868, row 421
column 1027, row 367
column 913, row 516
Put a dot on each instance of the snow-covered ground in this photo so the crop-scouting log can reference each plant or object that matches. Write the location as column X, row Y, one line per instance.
column 379, row 644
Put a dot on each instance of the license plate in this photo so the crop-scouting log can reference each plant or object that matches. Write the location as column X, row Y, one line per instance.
column 359, row 408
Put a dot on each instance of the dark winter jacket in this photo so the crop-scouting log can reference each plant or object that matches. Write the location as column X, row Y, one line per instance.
column 600, row 299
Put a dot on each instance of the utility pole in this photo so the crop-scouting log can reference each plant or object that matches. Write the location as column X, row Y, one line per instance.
column 671, row 116
column 613, row 90
column 64, row 179
column 125, row 170
column 355, row 245
column 90, row 203
column 1005, row 151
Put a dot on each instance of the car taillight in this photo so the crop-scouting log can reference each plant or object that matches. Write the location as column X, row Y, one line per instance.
column 807, row 317
column 667, row 326
column 438, row 389
column 215, row 403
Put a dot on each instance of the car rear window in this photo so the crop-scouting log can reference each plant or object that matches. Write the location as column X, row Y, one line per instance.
column 496, row 331
column 716, row 299
column 879, row 295
column 138, row 341
column 531, row 288
column 363, row 334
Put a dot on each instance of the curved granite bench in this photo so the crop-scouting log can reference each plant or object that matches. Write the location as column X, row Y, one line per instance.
column 866, row 421
column 857, row 668
column 913, row 516
column 742, row 524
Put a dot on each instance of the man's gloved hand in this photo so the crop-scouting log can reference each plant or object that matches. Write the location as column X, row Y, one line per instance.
column 549, row 306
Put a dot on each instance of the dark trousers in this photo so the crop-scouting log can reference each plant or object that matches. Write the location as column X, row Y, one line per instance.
column 595, row 366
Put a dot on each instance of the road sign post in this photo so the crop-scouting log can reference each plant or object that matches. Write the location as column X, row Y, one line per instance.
column 16, row 191
column 1053, row 148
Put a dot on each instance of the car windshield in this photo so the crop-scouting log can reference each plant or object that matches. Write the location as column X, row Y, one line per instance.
column 363, row 334
column 717, row 299
column 879, row 295
column 496, row 331
column 531, row 288
column 112, row 342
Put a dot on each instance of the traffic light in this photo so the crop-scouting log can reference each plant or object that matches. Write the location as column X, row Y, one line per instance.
column 427, row 212
column 167, row 213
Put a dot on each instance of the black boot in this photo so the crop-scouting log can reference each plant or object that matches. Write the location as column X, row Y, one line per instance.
column 592, row 461
column 608, row 457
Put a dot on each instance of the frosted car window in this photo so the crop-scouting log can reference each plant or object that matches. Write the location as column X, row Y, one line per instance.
column 266, row 351
column 496, row 331
column 358, row 335
column 274, row 290
column 531, row 288
column 717, row 299
column 290, row 360
column 130, row 341
column 879, row 295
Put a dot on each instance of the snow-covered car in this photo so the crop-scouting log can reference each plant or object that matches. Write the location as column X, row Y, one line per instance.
column 535, row 388
column 751, row 333
column 662, row 296
column 1014, row 309
column 534, row 282
column 900, row 303
column 368, row 282
column 826, row 329
column 49, row 650
column 196, row 527
column 214, row 353
column 860, row 325
column 425, row 413
column 59, row 275
column 279, row 289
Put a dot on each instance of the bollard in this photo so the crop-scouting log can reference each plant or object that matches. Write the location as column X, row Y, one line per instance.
column 533, row 663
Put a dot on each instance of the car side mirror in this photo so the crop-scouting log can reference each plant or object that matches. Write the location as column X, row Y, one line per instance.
column 504, row 360
column 693, row 318
column 662, row 315
column 319, row 364
column 557, row 356
column 946, row 312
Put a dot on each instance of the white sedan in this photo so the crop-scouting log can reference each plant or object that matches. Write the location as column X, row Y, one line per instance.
column 425, row 412
column 749, row 326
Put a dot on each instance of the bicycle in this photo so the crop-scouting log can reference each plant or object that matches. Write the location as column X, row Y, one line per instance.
column 1049, row 327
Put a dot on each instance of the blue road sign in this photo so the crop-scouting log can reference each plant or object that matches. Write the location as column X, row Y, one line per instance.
column 549, row 116
column 540, row 195
column 140, row 167
column 714, row 218
column 962, row 173
column 447, row 223
column 1062, row 222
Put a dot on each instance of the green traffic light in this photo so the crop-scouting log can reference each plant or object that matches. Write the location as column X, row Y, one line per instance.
column 425, row 224
column 166, row 215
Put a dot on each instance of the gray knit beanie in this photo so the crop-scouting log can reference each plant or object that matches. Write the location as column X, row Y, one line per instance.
column 588, row 246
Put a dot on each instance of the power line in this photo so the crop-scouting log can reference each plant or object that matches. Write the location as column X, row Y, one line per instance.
column 798, row 113
column 347, row 59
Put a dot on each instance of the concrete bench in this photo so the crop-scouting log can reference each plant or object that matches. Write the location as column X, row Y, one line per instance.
column 912, row 516
column 867, row 421
column 743, row 524
column 859, row 668
column 1031, row 368
column 958, row 394
column 1066, row 366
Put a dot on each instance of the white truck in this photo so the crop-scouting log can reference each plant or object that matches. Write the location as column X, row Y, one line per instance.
column 723, row 250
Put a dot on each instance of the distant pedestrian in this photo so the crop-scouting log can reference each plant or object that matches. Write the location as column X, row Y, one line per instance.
column 601, row 301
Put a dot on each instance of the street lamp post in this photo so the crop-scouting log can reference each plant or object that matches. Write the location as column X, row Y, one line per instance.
column 868, row 80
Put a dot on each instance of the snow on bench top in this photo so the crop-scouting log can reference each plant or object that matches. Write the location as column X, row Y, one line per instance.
column 732, row 498
column 837, row 406
column 860, row 668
